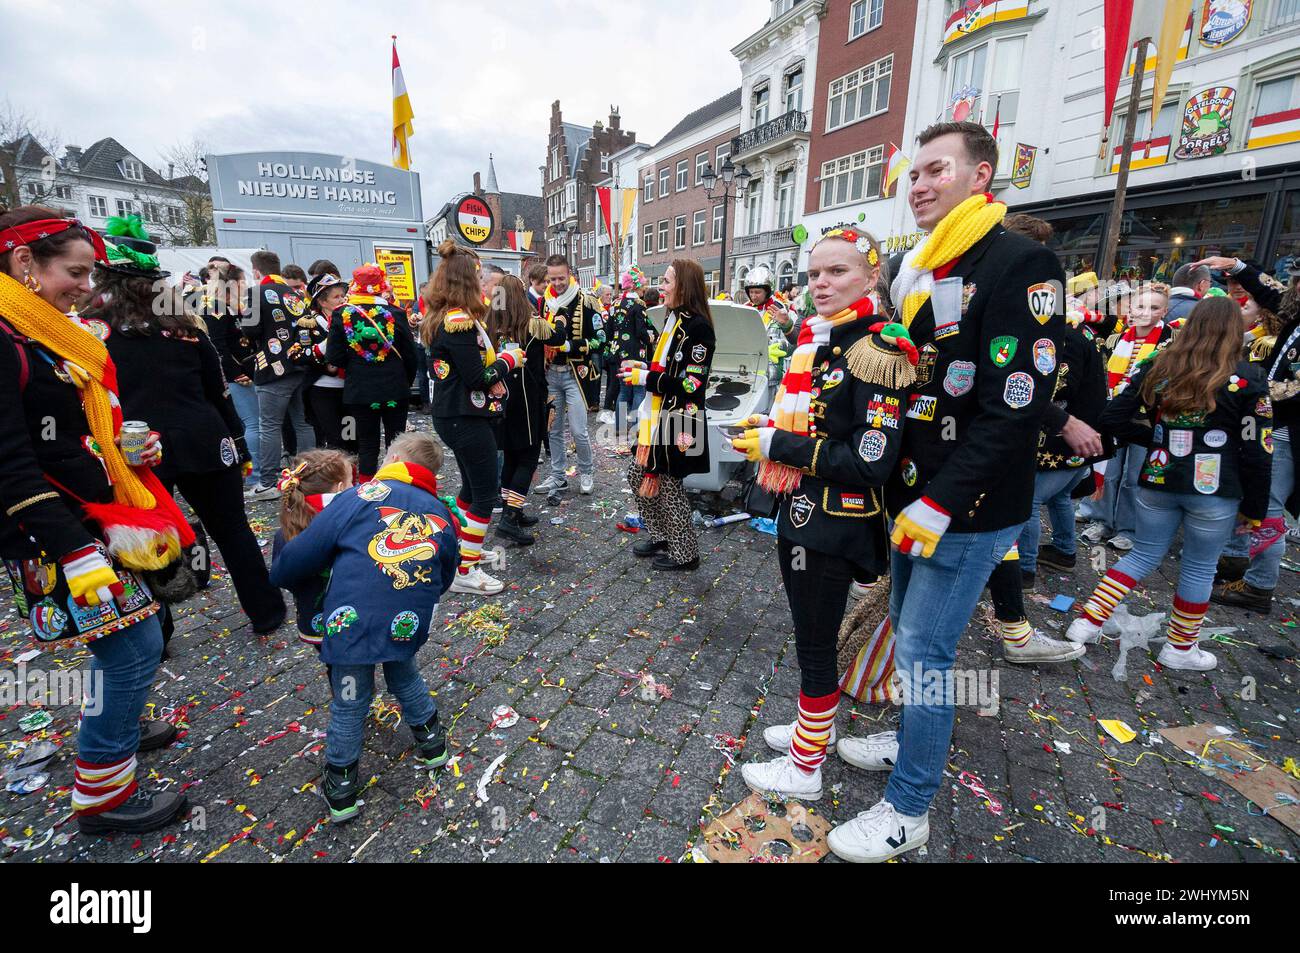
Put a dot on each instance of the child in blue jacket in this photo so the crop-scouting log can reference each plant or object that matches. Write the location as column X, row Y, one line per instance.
column 391, row 549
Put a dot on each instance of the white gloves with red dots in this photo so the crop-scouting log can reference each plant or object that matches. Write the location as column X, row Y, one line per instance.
column 919, row 527
column 91, row 579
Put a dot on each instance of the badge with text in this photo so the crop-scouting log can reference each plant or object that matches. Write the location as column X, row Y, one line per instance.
column 1044, row 356
column 960, row 378
column 1002, row 350
column 801, row 510
column 1019, row 391
column 1042, row 301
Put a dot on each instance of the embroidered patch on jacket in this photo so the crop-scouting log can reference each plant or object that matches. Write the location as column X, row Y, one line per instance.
column 1206, row 476
column 801, row 510
column 922, row 408
column 1042, row 301
column 340, row 619
column 441, row 369
column 1044, row 356
column 1019, row 390
column 404, row 626
column 1003, row 349
column 374, row 491
column 909, row 472
column 960, row 378
column 406, row 538
column 852, row 501
column 872, row 446
column 699, row 353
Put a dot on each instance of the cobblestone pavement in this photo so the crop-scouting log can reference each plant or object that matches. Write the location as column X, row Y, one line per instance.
column 601, row 769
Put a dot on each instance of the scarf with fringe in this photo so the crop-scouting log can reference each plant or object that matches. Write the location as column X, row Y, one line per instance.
column 953, row 237
column 143, row 527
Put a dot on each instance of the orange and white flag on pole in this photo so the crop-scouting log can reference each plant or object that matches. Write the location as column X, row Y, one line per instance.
column 895, row 165
column 402, row 116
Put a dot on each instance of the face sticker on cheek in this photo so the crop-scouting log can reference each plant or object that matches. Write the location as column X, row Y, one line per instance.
column 947, row 171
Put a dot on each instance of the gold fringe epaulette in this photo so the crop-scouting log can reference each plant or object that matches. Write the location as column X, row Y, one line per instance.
column 540, row 328
column 462, row 322
column 1261, row 348
column 872, row 361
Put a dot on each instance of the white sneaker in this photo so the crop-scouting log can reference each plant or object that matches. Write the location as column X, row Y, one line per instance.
column 477, row 582
column 878, row 752
column 605, row 416
column 1083, row 631
column 1195, row 659
column 489, row 557
column 878, row 834
column 261, row 492
column 858, row 590
column 549, row 485
column 1094, row 532
column 1121, row 542
column 778, row 737
column 1040, row 648
column 783, row 778
column 586, row 484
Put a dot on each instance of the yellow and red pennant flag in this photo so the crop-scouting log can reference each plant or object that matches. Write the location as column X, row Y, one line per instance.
column 402, row 116
column 895, row 165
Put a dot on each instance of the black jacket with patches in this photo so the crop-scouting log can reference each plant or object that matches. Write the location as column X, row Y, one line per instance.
column 463, row 383
column 582, row 323
column 1080, row 392
column 271, row 329
column 1227, row 452
column 629, row 333
column 971, row 439
column 681, row 444
column 855, row 432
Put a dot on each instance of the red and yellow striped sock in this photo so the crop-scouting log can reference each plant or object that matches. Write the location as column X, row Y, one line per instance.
column 1110, row 592
column 1185, row 623
column 471, row 538
column 101, row 787
column 1015, row 634
column 514, row 500
column 813, row 731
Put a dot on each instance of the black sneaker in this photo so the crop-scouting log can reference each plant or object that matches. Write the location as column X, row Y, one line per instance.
column 1231, row 568
column 648, row 547
column 143, row 811
column 342, row 787
column 665, row 562
column 155, row 735
column 1053, row 558
column 1243, row 595
column 430, row 744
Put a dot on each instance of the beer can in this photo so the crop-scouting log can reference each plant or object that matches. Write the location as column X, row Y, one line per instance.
column 135, row 433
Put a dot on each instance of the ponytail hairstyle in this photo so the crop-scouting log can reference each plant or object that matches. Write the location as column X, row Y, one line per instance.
column 1198, row 361
column 508, row 319
column 454, row 285
column 314, row 472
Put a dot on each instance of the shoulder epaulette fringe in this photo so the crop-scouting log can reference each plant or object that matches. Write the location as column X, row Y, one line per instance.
column 460, row 322
column 873, row 363
column 1261, row 348
column 540, row 328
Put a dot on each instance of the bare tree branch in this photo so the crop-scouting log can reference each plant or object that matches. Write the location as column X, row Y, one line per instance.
column 28, row 184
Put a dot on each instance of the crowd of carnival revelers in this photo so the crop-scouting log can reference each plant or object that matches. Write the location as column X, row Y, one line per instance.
column 929, row 409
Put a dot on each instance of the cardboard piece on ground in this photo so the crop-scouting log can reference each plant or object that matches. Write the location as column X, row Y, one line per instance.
column 1261, row 785
column 753, row 833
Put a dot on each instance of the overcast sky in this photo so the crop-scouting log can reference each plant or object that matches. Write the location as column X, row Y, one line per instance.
column 243, row 75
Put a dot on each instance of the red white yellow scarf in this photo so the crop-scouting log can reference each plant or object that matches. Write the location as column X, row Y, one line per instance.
column 651, row 406
column 410, row 473
column 1129, row 353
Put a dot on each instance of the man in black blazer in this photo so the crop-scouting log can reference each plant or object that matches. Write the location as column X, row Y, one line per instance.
column 987, row 336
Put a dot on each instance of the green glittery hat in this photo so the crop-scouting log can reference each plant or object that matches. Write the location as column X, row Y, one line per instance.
column 130, row 252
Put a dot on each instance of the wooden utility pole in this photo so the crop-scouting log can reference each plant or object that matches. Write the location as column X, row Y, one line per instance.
column 1110, row 239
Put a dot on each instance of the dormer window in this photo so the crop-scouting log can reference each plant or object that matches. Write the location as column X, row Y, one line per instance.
column 133, row 169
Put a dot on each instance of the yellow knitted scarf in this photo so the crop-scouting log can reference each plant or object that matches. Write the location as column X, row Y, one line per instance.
column 953, row 237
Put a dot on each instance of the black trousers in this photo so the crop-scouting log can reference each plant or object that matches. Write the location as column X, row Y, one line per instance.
column 217, row 499
column 326, row 406
column 368, row 421
column 519, row 466
column 612, row 383
column 1004, row 588
column 474, row 443
column 817, row 587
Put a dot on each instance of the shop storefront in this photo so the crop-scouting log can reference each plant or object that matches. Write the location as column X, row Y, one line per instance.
column 1256, row 217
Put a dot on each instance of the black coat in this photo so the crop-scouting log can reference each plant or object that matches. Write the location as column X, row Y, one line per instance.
column 582, row 322
column 629, row 334
column 856, row 430
column 372, row 382
column 1227, row 452
column 1080, row 392
column 525, row 418
column 971, row 437
column 462, row 381
column 173, row 382
column 271, row 330
column 681, row 445
column 226, row 331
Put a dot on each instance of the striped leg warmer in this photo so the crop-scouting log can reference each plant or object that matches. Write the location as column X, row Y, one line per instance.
column 1110, row 592
column 514, row 500
column 1015, row 634
column 471, row 537
column 813, row 731
column 1185, row 623
column 102, row 787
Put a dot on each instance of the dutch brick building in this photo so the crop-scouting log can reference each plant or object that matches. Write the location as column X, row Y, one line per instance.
column 511, row 212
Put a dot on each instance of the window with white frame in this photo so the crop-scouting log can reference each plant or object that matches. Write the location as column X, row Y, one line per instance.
column 604, row 162
column 860, row 94
column 1285, row 13
column 125, row 207
column 719, row 217
column 967, row 71
column 63, row 192
column 98, row 206
column 663, row 234
column 987, row 78
column 570, row 199
column 132, row 169
column 683, row 175
column 175, row 216
column 679, row 232
column 1165, row 130
column 648, row 194
column 852, row 178
column 754, row 207
column 785, row 198
column 864, row 16
column 697, row 226
column 720, row 156
column 792, row 89
column 701, row 163
column 648, row 239
column 664, row 173
column 1277, row 95
column 760, row 105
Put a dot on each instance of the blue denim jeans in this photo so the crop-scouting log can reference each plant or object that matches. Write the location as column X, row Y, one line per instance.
column 1051, row 489
column 1267, row 566
column 122, row 668
column 354, row 687
column 629, row 401
column 275, row 399
column 1117, row 508
column 244, row 397
column 566, row 391
column 931, row 602
column 1207, row 523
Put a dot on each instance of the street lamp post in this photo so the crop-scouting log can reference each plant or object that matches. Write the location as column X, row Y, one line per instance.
column 710, row 180
column 565, row 230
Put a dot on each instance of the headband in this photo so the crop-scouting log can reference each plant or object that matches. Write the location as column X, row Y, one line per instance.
column 30, row 232
column 857, row 239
